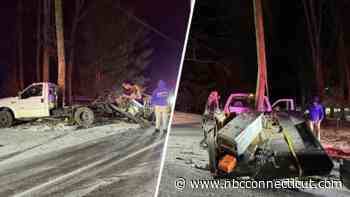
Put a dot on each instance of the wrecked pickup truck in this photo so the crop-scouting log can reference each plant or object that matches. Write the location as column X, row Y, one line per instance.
column 263, row 145
column 40, row 100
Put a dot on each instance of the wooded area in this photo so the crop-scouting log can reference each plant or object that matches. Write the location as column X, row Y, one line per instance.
column 72, row 45
column 306, row 42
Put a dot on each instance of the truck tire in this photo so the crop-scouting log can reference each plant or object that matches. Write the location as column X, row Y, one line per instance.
column 84, row 117
column 6, row 119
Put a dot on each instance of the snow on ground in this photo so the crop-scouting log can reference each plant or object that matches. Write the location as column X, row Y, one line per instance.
column 339, row 138
column 185, row 118
column 43, row 137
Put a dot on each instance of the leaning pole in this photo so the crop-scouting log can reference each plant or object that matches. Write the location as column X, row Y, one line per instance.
column 261, row 56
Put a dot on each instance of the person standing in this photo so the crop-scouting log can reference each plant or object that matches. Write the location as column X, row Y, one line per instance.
column 316, row 115
column 208, row 118
column 160, row 101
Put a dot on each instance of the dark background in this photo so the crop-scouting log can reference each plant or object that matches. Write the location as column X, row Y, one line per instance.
column 222, row 56
column 169, row 18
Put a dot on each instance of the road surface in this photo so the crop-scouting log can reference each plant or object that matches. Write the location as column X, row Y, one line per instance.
column 185, row 159
column 121, row 164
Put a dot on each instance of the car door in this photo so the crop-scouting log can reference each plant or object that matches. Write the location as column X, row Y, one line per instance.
column 31, row 103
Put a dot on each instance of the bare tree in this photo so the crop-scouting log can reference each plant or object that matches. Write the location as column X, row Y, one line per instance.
column 61, row 78
column 313, row 14
column 340, row 20
column 116, row 50
column 79, row 14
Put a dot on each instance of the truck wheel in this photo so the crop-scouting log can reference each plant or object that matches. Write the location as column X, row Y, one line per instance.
column 84, row 117
column 212, row 151
column 6, row 119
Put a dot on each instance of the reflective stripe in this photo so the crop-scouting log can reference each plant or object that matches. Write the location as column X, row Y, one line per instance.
column 292, row 151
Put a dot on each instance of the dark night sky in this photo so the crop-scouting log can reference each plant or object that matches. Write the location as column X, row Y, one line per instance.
column 169, row 18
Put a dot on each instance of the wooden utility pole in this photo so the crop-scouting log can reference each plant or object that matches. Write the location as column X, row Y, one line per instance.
column 260, row 44
column 60, row 50
column 46, row 47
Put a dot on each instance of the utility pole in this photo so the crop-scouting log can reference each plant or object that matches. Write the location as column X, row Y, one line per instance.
column 260, row 44
column 60, row 50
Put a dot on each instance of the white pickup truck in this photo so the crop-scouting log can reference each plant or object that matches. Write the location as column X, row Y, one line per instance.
column 243, row 102
column 40, row 100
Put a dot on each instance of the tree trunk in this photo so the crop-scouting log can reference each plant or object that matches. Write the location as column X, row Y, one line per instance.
column 260, row 43
column 77, row 17
column 46, row 48
column 38, row 42
column 60, row 50
column 314, row 31
column 343, row 49
column 20, row 43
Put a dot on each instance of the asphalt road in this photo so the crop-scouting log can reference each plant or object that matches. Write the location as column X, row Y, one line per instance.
column 124, row 164
column 185, row 159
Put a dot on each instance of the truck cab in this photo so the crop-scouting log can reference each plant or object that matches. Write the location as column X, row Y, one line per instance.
column 238, row 103
column 35, row 101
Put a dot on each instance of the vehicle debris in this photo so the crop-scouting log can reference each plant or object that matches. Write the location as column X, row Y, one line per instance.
column 272, row 144
column 41, row 100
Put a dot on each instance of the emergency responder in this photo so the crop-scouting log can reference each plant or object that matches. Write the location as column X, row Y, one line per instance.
column 316, row 115
column 160, row 101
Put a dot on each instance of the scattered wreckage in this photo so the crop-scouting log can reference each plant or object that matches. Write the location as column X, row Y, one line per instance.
column 272, row 144
column 40, row 100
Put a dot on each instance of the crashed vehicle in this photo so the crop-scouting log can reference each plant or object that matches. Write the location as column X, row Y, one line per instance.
column 271, row 144
column 238, row 103
column 138, row 111
column 41, row 100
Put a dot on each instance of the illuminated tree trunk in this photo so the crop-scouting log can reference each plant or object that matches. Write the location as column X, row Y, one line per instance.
column 46, row 47
column 38, row 42
column 60, row 50
column 260, row 43
column 20, row 43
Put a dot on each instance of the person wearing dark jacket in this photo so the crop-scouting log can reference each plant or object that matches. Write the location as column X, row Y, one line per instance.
column 160, row 101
